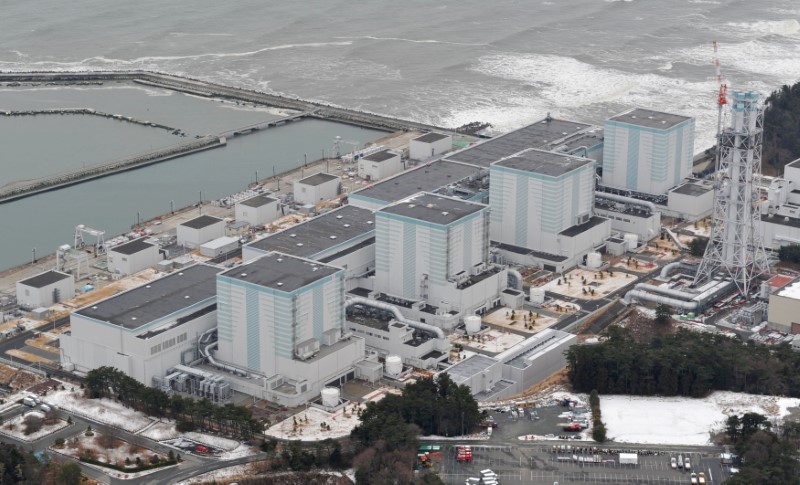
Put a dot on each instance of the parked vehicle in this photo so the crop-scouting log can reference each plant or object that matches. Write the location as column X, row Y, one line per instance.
column 628, row 459
column 687, row 465
column 673, row 463
column 694, row 478
column 680, row 461
column 29, row 402
column 701, row 478
column 45, row 408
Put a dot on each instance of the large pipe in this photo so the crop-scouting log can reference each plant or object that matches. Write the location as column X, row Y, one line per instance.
column 681, row 295
column 353, row 300
column 643, row 295
column 516, row 274
column 219, row 365
column 666, row 270
column 626, row 200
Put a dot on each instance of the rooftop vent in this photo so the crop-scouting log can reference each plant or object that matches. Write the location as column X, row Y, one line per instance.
column 243, row 275
column 333, row 237
column 299, row 245
column 280, row 284
column 347, row 225
column 338, row 217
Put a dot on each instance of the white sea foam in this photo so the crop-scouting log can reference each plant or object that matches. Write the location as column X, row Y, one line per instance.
column 787, row 27
column 414, row 41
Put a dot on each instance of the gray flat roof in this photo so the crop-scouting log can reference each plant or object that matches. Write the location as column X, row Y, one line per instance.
column 280, row 272
column 470, row 367
column 794, row 164
column 318, row 179
column 380, row 156
column 545, row 163
column 692, row 190
column 320, row 233
column 431, row 137
column 580, row 228
column 425, row 178
column 157, row 299
column 542, row 134
column 133, row 247
column 258, row 201
column 201, row 222
column 649, row 118
column 433, row 208
column 44, row 279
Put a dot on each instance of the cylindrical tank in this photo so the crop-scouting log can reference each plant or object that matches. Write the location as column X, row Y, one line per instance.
column 631, row 241
column 394, row 365
column 473, row 324
column 594, row 260
column 537, row 296
column 330, row 397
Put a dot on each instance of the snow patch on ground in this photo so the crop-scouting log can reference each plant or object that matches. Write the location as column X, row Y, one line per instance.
column 221, row 475
column 18, row 426
column 213, row 441
column 161, row 432
column 104, row 411
column 682, row 420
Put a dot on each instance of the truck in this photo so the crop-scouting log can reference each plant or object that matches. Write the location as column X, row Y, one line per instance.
column 28, row 401
column 628, row 459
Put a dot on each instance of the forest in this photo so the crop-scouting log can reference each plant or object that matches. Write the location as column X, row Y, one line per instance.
column 389, row 428
column 16, row 466
column 781, row 129
column 765, row 456
column 685, row 363
column 188, row 412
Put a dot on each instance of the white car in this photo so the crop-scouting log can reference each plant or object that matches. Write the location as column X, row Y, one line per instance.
column 673, row 463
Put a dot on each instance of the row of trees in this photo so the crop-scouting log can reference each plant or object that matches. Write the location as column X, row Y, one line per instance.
column 19, row 467
column 790, row 253
column 389, row 428
column 685, row 363
column 766, row 457
column 190, row 413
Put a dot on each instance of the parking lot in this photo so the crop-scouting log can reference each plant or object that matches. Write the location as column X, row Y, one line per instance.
column 518, row 464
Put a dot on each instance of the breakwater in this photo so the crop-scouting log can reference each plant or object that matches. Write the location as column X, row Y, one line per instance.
column 91, row 112
column 209, row 89
column 25, row 188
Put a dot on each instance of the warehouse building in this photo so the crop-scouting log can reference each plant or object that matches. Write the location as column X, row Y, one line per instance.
column 258, row 210
column 434, row 251
column 133, row 256
column 379, row 165
column 440, row 177
column 647, row 151
column 512, row 371
column 198, row 231
column 147, row 330
column 542, row 209
column 692, row 200
column 784, row 308
column 315, row 188
column 429, row 145
column 45, row 289
column 344, row 237
column 282, row 318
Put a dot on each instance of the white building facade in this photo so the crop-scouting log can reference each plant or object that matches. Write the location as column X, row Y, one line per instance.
column 429, row 145
column 647, row 151
column 146, row 330
column 379, row 165
column 198, row 231
column 315, row 188
column 45, row 289
column 133, row 256
column 258, row 210
column 283, row 318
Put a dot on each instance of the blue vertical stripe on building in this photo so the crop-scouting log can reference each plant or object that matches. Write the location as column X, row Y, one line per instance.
column 679, row 150
column 521, row 212
column 409, row 259
column 319, row 318
column 632, row 174
column 253, row 334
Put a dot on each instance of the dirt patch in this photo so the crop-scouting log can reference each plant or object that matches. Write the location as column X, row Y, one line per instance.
column 643, row 328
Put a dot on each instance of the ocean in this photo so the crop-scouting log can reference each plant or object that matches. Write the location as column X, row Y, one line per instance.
column 507, row 62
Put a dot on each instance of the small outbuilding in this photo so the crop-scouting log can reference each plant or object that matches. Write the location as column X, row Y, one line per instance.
column 133, row 256
column 429, row 145
column 317, row 187
column 45, row 289
column 219, row 246
column 258, row 210
column 198, row 231
column 379, row 165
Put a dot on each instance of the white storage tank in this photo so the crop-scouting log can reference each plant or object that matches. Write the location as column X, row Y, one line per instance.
column 394, row 365
column 472, row 324
column 330, row 397
column 632, row 241
column 537, row 296
column 594, row 260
